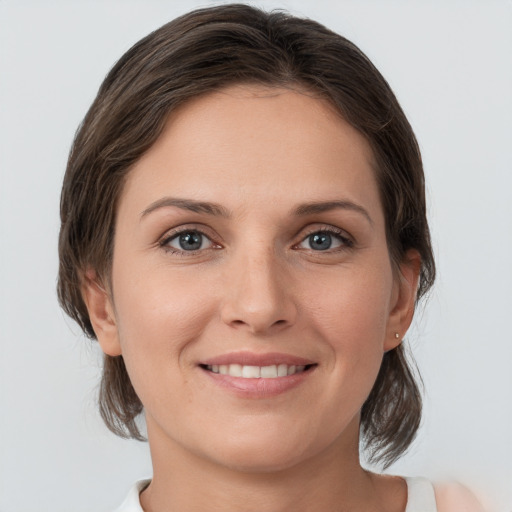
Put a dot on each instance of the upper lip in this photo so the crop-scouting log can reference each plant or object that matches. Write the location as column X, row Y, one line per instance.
column 245, row 358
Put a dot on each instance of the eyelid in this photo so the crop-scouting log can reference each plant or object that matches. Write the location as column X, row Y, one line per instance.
column 348, row 240
column 173, row 233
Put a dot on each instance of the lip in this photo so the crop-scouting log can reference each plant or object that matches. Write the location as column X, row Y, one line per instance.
column 257, row 388
column 253, row 359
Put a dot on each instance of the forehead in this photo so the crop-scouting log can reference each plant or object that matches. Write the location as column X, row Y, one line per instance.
column 245, row 143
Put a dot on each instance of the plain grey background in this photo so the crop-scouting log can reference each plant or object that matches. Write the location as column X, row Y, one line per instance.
column 449, row 63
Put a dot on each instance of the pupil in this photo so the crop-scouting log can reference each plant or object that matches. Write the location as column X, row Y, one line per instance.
column 190, row 241
column 320, row 241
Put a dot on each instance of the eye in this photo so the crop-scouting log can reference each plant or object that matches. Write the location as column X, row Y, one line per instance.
column 188, row 241
column 323, row 240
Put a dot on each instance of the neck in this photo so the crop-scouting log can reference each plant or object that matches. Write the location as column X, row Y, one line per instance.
column 331, row 480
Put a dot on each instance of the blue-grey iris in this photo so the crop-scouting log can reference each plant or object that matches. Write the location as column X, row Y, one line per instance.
column 190, row 241
column 320, row 241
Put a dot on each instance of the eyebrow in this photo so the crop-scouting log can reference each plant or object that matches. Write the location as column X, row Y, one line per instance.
column 188, row 204
column 325, row 206
column 218, row 210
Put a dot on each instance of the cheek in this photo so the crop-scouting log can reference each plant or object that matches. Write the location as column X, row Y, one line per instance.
column 352, row 310
column 159, row 316
column 350, row 315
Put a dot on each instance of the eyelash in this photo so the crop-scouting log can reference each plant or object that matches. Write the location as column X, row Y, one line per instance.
column 347, row 243
column 175, row 234
column 339, row 234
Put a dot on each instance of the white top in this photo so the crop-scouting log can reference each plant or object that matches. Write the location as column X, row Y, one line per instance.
column 420, row 496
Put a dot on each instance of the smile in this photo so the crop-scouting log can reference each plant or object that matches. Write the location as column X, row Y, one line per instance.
column 257, row 372
column 256, row 376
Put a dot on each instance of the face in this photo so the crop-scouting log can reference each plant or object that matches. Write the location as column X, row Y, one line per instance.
column 252, row 291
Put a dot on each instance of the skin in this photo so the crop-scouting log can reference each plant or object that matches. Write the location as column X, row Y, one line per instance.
column 256, row 284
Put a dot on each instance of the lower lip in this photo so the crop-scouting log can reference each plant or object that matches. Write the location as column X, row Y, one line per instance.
column 258, row 388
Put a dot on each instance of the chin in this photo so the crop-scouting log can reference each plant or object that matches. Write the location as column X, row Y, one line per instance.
column 263, row 460
column 259, row 453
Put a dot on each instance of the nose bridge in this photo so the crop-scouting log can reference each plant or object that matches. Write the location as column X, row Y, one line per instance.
column 260, row 295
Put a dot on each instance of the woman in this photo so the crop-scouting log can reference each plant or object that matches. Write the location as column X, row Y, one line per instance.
column 244, row 233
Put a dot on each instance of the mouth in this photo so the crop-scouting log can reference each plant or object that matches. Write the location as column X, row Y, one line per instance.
column 273, row 371
column 257, row 376
column 250, row 365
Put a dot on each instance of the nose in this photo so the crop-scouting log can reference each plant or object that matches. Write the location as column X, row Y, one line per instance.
column 259, row 294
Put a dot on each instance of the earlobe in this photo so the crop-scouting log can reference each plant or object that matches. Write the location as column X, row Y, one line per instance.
column 404, row 299
column 101, row 313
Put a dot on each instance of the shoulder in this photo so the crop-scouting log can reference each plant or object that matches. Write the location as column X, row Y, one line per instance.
column 454, row 497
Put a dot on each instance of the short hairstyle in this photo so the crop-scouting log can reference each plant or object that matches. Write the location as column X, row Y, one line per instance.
column 204, row 51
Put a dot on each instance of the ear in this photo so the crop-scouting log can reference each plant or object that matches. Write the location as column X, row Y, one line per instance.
column 404, row 299
column 101, row 313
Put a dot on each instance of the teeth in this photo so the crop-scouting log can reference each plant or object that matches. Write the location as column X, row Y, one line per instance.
column 269, row 372
column 256, row 372
column 251, row 372
column 282, row 370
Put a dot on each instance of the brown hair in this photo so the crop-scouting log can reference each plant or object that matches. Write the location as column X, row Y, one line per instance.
column 204, row 51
